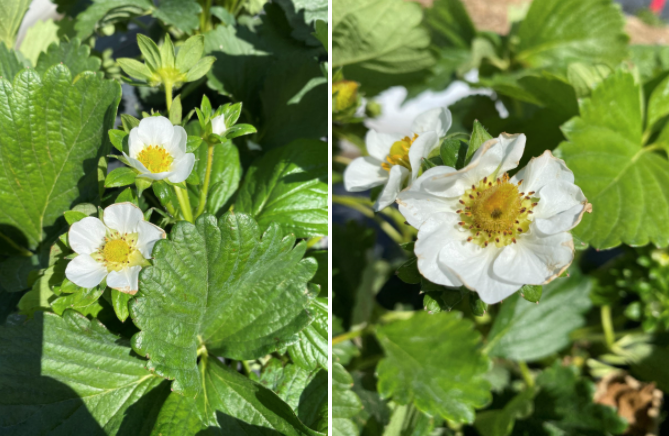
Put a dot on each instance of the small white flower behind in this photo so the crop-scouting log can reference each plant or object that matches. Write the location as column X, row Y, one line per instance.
column 158, row 150
column 116, row 247
column 393, row 160
column 493, row 234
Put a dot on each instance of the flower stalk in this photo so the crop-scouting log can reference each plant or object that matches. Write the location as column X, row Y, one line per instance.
column 207, row 178
column 184, row 203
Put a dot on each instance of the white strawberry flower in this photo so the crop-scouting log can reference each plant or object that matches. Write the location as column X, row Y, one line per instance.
column 116, row 247
column 218, row 125
column 493, row 234
column 395, row 161
column 158, row 150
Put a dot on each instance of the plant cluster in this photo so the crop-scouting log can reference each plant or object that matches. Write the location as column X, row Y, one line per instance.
column 484, row 276
column 164, row 271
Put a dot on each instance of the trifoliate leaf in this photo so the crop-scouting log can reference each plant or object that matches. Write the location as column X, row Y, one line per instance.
column 345, row 403
column 379, row 38
column 182, row 14
column 435, row 362
column 555, row 33
column 69, row 373
column 529, row 331
column 55, row 131
column 629, row 203
column 231, row 404
column 12, row 13
column 288, row 186
column 311, row 351
column 222, row 286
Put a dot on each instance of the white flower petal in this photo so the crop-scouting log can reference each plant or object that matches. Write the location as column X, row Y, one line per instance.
column 87, row 235
column 84, row 271
column 155, row 131
column 364, row 173
column 378, row 144
column 416, row 205
column 535, row 260
column 496, row 155
column 561, row 207
column 149, row 234
column 126, row 280
column 473, row 265
column 542, row 170
column 135, row 144
column 182, row 168
column 421, row 149
column 397, row 178
column 134, row 163
column 218, row 125
column 156, row 176
column 437, row 120
column 178, row 143
column 123, row 217
column 431, row 237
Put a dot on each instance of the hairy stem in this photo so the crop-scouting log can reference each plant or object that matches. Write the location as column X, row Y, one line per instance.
column 352, row 334
column 207, row 178
column 184, row 203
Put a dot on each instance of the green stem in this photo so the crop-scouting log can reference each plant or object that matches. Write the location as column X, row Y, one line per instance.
column 20, row 249
column 352, row 334
column 184, row 203
column 369, row 213
column 246, row 366
column 527, row 375
column 207, row 178
column 607, row 326
column 168, row 95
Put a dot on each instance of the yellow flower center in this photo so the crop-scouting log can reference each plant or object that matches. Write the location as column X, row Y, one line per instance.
column 496, row 212
column 155, row 158
column 399, row 153
column 116, row 250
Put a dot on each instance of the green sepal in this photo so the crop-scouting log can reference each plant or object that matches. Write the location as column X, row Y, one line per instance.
column 72, row 216
column 120, row 303
column 117, row 137
column 120, row 177
column 239, row 130
column 479, row 136
column 175, row 111
column 150, row 51
column 408, row 271
column 193, row 143
column 142, row 183
column 129, row 122
column 531, row 293
column 478, row 307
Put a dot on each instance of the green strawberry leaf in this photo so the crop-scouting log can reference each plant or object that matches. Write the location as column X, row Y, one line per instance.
column 629, row 202
column 345, row 403
column 311, row 351
column 219, row 285
column 306, row 392
column 103, row 12
column 528, row 331
column 288, row 186
column 182, row 14
column 555, row 33
column 55, row 131
column 9, row 63
column 436, row 362
column 70, row 373
column 231, row 404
